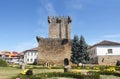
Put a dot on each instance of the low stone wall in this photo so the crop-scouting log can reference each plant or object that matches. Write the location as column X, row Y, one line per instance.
column 108, row 59
column 93, row 60
column 53, row 51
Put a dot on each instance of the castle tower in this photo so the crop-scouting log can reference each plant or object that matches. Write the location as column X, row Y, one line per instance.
column 59, row 27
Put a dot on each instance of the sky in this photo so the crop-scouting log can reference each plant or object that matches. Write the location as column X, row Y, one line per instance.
column 22, row 20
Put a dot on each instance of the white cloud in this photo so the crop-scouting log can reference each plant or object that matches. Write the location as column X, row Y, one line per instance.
column 50, row 9
column 42, row 23
column 112, row 36
column 47, row 8
column 74, row 4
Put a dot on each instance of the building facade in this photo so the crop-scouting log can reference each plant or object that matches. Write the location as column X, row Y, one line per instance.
column 10, row 57
column 30, row 56
column 105, row 53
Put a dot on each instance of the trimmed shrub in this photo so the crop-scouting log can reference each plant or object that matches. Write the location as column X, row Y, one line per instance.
column 42, row 67
column 117, row 68
column 29, row 72
column 109, row 73
column 24, row 71
column 110, row 69
column 3, row 63
column 59, row 74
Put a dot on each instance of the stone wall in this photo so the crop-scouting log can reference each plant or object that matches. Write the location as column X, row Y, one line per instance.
column 108, row 59
column 59, row 27
column 53, row 51
column 93, row 60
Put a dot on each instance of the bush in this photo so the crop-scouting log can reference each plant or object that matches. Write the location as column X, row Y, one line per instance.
column 117, row 68
column 82, row 67
column 29, row 72
column 110, row 69
column 3, row 63
column 59, row 74
column 44, row 67
column 96, row 68
column 109, row 73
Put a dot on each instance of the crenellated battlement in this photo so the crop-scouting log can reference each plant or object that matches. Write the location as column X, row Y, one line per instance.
column 58, row 19
column 59, row 26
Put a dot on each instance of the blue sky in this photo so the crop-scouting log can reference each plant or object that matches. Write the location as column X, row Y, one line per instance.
column 22, row 20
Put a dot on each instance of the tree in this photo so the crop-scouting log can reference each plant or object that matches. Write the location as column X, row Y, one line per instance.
column 75, row 48
column 84, row 55
column 79, row 51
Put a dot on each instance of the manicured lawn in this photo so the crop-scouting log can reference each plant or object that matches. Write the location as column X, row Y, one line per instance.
column 8, row 72
column 109, row 77
column 60, row 78
column 37, row 71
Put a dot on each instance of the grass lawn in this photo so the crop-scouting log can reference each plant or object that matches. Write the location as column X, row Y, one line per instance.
column 60, row 78
column 8, row 72
column 109, row 77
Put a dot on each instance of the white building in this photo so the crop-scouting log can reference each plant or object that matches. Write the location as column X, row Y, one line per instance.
column 105, row 53
column 30, row 55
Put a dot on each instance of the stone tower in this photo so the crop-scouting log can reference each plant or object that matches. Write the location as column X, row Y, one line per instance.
column 59, row 27
column 57, row 47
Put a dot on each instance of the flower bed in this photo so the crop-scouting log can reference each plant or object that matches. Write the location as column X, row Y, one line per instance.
column 109, row 73
column 59, row 74
column 76, row 72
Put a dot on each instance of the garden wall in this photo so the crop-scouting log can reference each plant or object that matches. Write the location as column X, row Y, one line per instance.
column 108, row 59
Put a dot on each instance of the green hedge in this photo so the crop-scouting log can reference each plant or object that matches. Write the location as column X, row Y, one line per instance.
column 109, row 73
column 95, row 67
column 73, row 67
column 117, row 68
column 40, row 67
column 59, row 74
column 3, row 63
